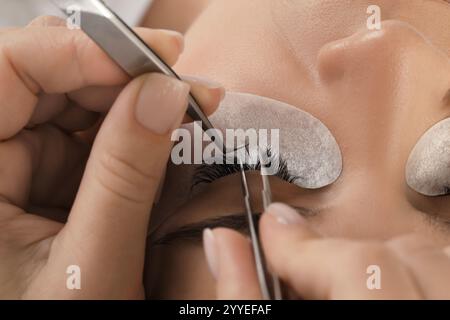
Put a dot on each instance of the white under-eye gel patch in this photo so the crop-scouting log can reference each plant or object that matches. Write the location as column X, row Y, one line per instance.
column 310, row 150
column 428, row 167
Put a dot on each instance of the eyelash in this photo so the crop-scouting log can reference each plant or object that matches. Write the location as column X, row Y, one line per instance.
column 206, row 174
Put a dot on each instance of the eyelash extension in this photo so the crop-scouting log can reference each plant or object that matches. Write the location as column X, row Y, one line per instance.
column 206, row 173
column 446, row 191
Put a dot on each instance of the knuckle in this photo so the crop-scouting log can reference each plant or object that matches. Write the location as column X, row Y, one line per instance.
column 46, row 21
column 410, row 242
column 362, row 255
column 12, row 233
column 124, row 179
column 414, row 246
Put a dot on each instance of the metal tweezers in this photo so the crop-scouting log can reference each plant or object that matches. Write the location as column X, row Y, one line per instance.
column 124, row 46
column 135, row 57
column 273, row 291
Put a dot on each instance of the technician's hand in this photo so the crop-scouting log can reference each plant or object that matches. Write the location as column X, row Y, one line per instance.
column 54, row 82
column 312, row 267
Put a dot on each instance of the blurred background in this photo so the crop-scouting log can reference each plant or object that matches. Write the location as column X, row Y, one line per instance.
column 166, row 14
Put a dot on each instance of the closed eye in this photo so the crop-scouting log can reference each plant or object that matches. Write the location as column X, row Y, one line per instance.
column 208, row 173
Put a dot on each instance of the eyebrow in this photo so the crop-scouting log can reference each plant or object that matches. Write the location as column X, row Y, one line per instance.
column 193, row 232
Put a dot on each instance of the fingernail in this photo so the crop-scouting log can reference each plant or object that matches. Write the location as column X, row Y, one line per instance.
column 178, row 37
column 209, row 246
column 284, row 214
column 162, row 103
column 207, row 83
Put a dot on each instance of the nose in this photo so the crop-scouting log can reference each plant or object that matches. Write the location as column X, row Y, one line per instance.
column 387, row 88
column 388, row 82
column 395, row 47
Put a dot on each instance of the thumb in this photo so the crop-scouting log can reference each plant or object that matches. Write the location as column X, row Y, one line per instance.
column 112, row 209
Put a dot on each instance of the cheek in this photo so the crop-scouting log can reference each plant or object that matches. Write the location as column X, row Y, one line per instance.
column 309, row 149
column 178, row 272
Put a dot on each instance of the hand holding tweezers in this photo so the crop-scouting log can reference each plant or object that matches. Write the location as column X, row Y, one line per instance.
column 125, row 47
column 272, row 292
column 135, row 57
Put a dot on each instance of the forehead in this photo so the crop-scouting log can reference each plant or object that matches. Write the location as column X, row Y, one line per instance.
column 297, row 24
column 271, row 43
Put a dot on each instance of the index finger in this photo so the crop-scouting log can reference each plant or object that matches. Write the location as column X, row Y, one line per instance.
column 58, row 60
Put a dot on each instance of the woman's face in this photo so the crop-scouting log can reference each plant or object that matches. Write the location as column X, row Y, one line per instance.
column 377, row 92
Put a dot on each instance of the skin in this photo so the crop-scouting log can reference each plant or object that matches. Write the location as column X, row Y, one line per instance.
column 174, row 14
column 114, row 201
column 63, row 86
column 378, row 93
